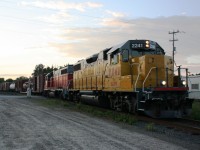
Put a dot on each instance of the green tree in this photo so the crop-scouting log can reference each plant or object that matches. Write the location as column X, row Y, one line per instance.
column 47, row 70
column 9, row 80
column 21, row 78
column 2, row 80
column 38, row 69
column 41, row 69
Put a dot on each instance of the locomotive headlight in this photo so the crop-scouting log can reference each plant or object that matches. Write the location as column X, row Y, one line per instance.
column 163, row 82
column 184, row 82
column 147, row 44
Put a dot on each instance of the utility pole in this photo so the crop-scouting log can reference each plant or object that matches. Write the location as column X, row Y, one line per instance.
column 174, row 48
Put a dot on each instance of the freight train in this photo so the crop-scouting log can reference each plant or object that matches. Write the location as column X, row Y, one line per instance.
column 18, row 86
column 135, row 76
column 5, row 86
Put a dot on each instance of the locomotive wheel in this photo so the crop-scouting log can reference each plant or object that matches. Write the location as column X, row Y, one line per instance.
column 61, row 95
column 70, row 98
column 135, row 105
column 111, row 99
column 156, row 109
column 117, row 104
column 127, row 106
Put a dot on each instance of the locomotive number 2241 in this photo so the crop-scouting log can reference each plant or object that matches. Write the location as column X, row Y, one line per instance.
column 137, row 45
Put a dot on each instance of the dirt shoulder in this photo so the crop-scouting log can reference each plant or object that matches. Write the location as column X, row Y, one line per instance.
column 27, row 125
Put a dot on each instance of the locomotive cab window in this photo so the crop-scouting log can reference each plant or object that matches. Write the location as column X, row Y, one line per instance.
column 64, row 71
column 115, row 57
column 105, row 55
column 92, row 59
column 125, row 55
column 77, row 67
column 70, row 69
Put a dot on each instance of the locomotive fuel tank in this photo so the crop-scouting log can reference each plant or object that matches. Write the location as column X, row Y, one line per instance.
column 90, row 99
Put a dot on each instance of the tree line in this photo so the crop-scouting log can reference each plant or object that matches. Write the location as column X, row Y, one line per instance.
column 38, row 70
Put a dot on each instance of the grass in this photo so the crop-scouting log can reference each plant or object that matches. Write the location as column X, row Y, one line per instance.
column 150, row 127
column 99, row 112
column 91, row 110
column 195, row 110
column 52, row 103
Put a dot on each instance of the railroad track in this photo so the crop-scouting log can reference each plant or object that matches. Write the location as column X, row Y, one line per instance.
column 182, row 124
column 185, row 125
column 11, row 93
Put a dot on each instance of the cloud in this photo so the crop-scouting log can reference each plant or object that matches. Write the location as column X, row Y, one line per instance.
column 57, row 18
column 193, row 59
column 184, row 13
column 83, row 42
column 116, row 14
column 94, row 5
column 116, row 19
column 61, row 5
column 110, row 22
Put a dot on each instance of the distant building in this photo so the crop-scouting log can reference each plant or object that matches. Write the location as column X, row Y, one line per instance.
column 194, row 86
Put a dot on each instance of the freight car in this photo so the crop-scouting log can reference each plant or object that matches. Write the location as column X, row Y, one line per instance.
column 135, row 76
column 37, row 84
column 20, row 85
column 5, row 86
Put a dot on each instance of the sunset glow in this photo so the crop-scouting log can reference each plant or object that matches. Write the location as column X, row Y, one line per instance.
column 59, row 32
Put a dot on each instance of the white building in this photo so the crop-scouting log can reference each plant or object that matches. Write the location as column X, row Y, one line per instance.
column 194, row 86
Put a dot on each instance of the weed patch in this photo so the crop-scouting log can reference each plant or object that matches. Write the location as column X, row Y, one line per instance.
column 195, row 110
column 92, row 110
column 150, row 127
column 99, row 112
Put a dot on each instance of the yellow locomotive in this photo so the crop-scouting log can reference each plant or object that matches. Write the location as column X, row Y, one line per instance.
column 135, row 76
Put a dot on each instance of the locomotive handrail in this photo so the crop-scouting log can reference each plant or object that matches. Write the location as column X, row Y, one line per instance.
column 135, row 86
column 147, row 77
column 69, row 82
column 104, row 75
column 186, row 75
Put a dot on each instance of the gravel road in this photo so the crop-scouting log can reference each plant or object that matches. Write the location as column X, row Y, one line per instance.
column 25, row 125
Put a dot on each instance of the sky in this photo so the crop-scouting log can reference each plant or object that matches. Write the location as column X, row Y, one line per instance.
column 60, row 32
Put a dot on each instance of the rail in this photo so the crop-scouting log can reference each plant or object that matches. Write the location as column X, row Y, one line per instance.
column 184, row 125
